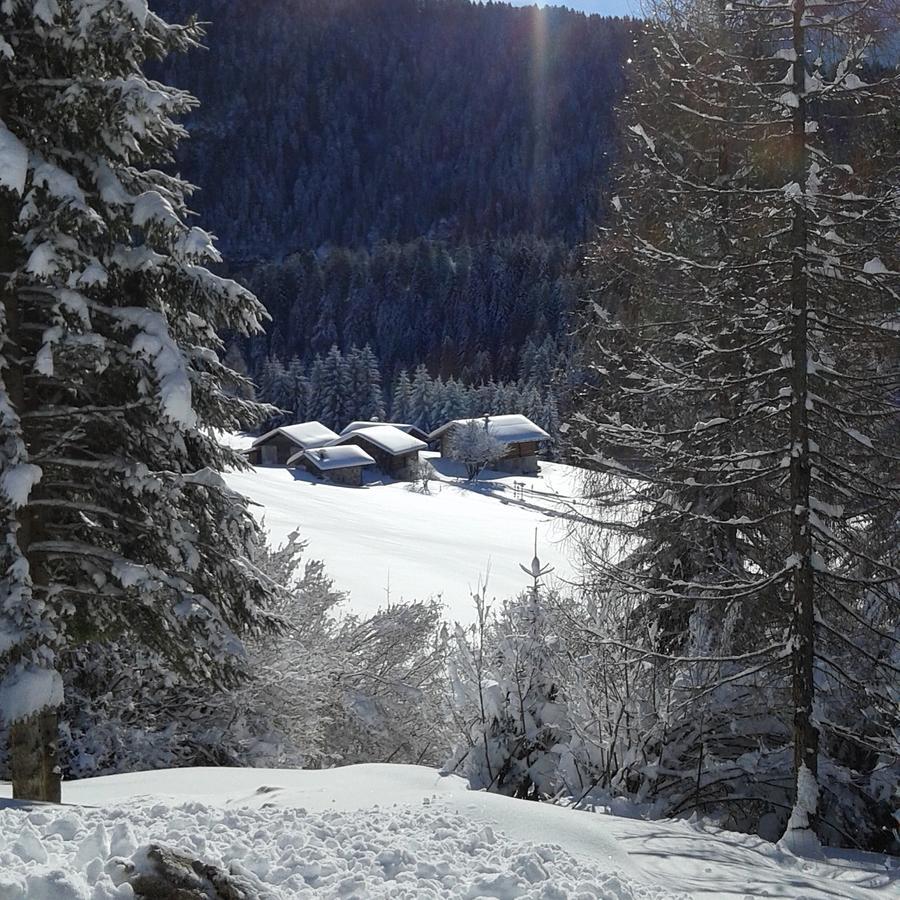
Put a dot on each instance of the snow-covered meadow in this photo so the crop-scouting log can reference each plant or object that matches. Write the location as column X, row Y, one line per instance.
column 387, row 542
column 394, row 831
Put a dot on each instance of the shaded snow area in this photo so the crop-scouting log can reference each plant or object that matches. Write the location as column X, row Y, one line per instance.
column 392, row 831
column 385, row 541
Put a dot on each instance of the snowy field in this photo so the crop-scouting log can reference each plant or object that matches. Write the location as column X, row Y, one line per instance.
column 379, row 831
column 383, row 541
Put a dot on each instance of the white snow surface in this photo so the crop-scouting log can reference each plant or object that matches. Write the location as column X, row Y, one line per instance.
column 389, row 438
column 303, row 434
column 327, row 458
column 511, row 429
column 358, row 426
column 378, row 831
column 388, row 542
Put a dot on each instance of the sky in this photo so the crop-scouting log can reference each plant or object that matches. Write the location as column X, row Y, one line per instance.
column 604, row 7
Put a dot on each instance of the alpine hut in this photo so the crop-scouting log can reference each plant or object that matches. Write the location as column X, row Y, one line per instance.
column 340, row 464
column 395, row 452
column 276, row 447
column 522, row 438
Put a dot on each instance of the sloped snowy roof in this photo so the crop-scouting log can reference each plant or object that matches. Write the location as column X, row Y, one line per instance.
column 414, row 430
column 386, row 437
column 512, row 429
column 304, row 434
column 334, row 457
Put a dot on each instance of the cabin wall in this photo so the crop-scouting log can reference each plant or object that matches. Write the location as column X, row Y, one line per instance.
column 349, row 476
column 518, row 465
column 519, row 459
column 276, row 451
column 523, row 449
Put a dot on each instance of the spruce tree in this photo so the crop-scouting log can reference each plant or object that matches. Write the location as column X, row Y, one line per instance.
column 115, row 525
column 743, row 378
column 420, row 405
column 401, row 402
column 333, row 390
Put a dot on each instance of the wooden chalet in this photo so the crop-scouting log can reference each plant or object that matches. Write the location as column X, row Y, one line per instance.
column 277, row 446
column 340, row 464
column 395, row 452
column 522, row 437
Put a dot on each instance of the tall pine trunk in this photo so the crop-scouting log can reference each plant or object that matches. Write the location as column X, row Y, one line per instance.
column 34, row 758
column 806, row 737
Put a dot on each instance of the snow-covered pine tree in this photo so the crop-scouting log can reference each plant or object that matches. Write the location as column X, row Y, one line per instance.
column 315, row 389
column 434, row 415
column 507, row 676
column 114, row 523
column 296, row 396
column 745, row 382
column 332, row 390
column 420, row 400
column 455, row 401
column 401, row 402
column 366, row 394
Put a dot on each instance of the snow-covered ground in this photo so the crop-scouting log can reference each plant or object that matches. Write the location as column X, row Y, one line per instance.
column 394, row 831
column 385, row 542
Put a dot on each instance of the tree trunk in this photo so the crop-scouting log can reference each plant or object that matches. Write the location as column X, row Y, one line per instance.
column 34, row 759
column 806, row 736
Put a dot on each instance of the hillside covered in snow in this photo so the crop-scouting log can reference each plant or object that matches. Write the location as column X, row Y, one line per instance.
column 386, row 542
column 393, row 832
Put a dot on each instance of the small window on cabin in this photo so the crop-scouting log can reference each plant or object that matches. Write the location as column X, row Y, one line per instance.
column 269, row 455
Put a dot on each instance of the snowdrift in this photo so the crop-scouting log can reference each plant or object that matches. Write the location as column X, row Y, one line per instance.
column 393, row 831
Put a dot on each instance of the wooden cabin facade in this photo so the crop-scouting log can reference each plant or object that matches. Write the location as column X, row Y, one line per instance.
column 395, row 452
column 522, row 437
column 274, row 451
column 277, row 446
column 341, row 464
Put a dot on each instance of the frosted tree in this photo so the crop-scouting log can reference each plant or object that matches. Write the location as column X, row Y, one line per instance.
column 472, row 444
column 506, row 676
column 454, row 401
column 366, row 398
column 327, row 688
column 744, row 358
column 331, row 388
column 115, row 526
column 420, row 400
column 401, row 402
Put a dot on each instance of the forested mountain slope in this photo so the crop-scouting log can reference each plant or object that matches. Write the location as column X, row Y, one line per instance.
column 353, row 121
column 409, row 175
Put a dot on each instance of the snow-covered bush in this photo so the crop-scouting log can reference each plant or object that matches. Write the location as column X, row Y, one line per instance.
column 472, row 444
column 325, row 689
column 506, row 675
column 343, row 689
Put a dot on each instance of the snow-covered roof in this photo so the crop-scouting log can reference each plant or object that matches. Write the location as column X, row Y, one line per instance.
column 303, row 434
column 358, row 426
column 386, row 437
column 334, row 457
column 512, row 429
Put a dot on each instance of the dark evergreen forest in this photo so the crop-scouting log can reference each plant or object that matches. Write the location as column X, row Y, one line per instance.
column 407, row 174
